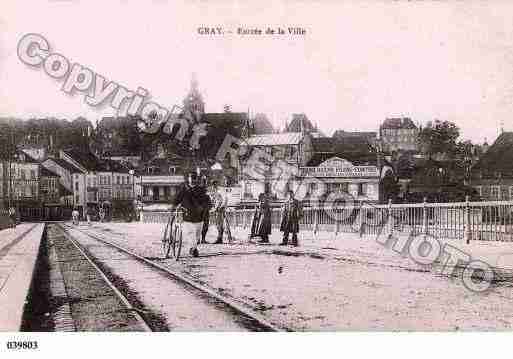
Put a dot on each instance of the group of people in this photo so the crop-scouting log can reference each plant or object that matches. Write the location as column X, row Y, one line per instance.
column 89, row 213
column 197, row 203
column 289, row 224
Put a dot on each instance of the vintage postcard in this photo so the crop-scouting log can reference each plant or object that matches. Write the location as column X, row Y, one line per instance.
column 228, row 166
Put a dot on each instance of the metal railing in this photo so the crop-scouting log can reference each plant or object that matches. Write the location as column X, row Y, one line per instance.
column 492, row 221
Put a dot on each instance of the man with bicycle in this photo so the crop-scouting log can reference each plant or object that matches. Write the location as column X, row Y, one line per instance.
column 194, row 200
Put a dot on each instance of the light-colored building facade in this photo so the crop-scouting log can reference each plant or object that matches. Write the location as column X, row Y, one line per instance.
column 20, row 178
column 399, row 134
column 293, row 148
column 99, row 182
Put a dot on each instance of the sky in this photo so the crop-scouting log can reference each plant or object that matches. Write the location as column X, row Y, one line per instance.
column 358, row 63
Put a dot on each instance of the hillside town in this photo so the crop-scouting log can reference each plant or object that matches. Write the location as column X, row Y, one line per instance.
column 51, row 166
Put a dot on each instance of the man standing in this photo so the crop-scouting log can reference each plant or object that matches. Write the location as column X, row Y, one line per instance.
column 12, row 216
column 194, row 200
column 206, row 217
column 89, row 214
column 291, row 214
column 102, row 214
column 75, row 216
column 220, row 203
column 261, row 224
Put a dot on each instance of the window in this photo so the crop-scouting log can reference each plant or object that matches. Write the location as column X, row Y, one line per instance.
column 108, row 180
column 313, row 188
column 479, row 190
column 117, row 179
column 22, row 174
column 362, row 189
column 510, row 193
column 76, row 186
column 494, row 192
column 77, row 197
column 32, row 174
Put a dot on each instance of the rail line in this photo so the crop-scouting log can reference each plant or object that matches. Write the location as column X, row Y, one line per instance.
column 245, row 318
column 141, row 321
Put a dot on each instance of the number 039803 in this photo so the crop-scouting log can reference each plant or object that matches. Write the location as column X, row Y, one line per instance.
column 22, row 345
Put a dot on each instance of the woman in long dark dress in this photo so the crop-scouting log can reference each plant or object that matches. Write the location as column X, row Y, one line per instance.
column 261, row 226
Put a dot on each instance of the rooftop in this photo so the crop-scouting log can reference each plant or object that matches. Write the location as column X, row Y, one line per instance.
column 324, row 144
column 92, row 163
column 65, row 164
column 398, row 123
column 45, row 172
column 498, row 158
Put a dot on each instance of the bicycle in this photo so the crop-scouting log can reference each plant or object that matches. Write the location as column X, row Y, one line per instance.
column 227, row 228
column 172, row 238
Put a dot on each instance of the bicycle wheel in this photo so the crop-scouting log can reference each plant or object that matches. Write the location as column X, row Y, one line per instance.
column 176, row 241
column 168, row 237
column 227, row 229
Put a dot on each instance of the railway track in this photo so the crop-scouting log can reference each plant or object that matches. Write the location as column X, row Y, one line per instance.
column 163, row 298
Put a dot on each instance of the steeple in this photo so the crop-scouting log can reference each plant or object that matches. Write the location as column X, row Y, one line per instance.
column 193, row 102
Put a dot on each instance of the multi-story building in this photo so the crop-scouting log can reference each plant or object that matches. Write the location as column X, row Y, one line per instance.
column 100, row 182
column 492, row 175
column 159, row 179
column 348, row 166
column 20, row 181
column 399, row 134
column 294, row 148
column 66, row 171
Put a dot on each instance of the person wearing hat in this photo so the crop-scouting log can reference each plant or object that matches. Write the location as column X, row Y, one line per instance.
column 194, row 200
column 261, row 224
column 220, row 203
column 75, row 214
column 291, row 214
column 12, row 216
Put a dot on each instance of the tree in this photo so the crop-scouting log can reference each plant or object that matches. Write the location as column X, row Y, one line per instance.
column 439, row 137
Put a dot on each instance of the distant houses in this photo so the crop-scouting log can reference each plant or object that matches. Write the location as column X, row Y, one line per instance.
column 492, row 175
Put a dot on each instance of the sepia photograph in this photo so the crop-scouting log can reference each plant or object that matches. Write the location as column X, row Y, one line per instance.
column 339, row 169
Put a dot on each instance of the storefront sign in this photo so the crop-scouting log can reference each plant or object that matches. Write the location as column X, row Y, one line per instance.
column 356, row 171
column 339, row 167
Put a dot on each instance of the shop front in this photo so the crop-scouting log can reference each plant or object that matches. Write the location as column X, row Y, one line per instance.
column 339, row 176
column 158, row 189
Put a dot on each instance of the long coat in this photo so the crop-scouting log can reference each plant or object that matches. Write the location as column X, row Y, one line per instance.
column 291, row 214
column 261, row 225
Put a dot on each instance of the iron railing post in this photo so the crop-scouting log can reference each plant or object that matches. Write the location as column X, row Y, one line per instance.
column 468, row 232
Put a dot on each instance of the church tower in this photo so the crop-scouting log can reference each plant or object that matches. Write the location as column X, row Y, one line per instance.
column 194, row 101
